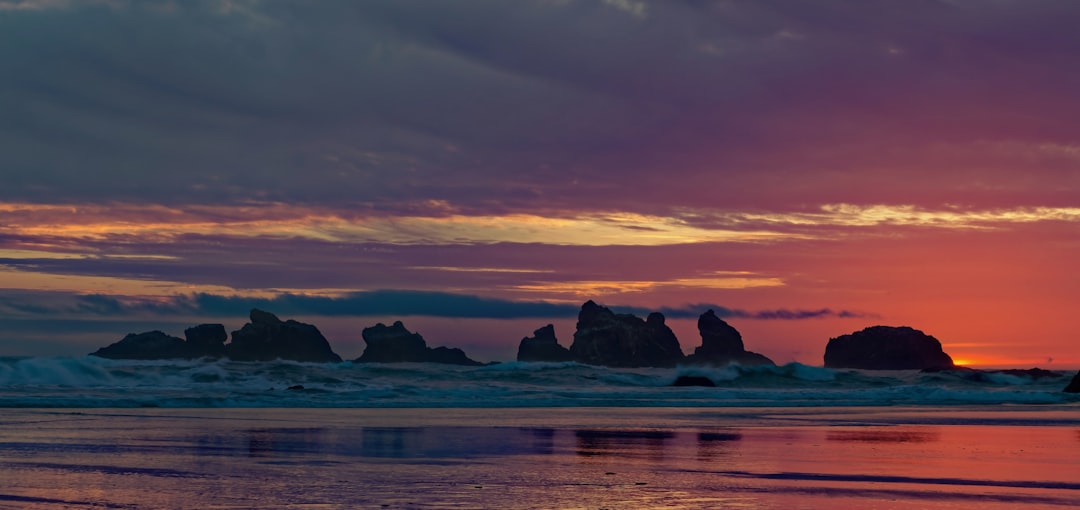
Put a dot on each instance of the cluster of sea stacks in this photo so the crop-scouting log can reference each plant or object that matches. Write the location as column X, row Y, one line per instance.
column 602, row 338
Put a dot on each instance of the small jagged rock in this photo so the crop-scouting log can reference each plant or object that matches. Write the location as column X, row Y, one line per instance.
column 396, row 344
column 150, row 345
column 886, row 348
column 268, row 338
column 542, row 346
column 449, row 356
column 693, row 380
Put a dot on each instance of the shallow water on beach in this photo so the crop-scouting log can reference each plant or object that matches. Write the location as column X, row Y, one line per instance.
column 588, row 458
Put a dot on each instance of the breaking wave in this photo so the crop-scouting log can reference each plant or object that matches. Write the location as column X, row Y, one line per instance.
column 97, row 382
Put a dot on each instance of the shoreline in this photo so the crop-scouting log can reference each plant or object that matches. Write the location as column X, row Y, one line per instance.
column 677, row 458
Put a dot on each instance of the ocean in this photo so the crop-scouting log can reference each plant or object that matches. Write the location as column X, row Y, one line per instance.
column 95, row 433
column 77, row 382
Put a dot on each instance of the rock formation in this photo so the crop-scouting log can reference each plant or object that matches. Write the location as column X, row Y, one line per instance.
column 693, row 380
column 542, row 346
column 207, row 339
column 149, row 345
column 886, row 348
column 623, row 340
column 1074, row 385
column 722, row 344
column 203, row 341
column 395, row 344
column 267, row 338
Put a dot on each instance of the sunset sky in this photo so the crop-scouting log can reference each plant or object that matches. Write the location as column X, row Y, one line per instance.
column 478, row 169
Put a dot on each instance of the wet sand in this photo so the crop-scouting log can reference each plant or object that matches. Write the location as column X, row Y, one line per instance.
column 541, row 458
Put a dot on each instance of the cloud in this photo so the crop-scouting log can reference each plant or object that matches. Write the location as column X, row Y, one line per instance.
column 379, row 303
column 91, row 222
column 873, row 215
column 40, row 5
column 507, row 106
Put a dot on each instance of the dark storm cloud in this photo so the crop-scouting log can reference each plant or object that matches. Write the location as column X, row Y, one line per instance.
column 379, row 303
column 496, row 105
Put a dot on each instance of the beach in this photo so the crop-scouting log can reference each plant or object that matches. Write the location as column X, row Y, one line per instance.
column 587, row 458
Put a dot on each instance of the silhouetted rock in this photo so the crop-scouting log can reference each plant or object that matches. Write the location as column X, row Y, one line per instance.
column 267, row 338
column 718, row 338
column 693, row 380
column 623, row 340
column 1074, row 385
column 203, row 341
column 149, row 345
column 542, row 346
column 722, row 344
column 886, row 348
column 450, row 356
column 207, row 340
column 395, row 344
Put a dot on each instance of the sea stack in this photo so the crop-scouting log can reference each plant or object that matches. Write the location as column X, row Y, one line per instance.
column 203, row 341
column 623, row 340
column 148, row 345
column 396, row 344
column 722, row 344
column 887, row 348
column 208, row 340
column 542, row 346
column 268, row 338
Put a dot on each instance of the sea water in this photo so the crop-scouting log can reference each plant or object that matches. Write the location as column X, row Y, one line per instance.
column 88, row 432
column 96, row 382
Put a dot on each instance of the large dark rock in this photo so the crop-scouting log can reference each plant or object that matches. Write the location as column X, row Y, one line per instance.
column 149, row 345
column 207, row 339
column 886, row 348
column 203, row 341
column 396, row 344
column 1074, row 385
column 722, row 344
column 623, row 340
column 542, row 346
column 267, row 338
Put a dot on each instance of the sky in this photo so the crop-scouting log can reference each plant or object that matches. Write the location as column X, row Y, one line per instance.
column 478, row 169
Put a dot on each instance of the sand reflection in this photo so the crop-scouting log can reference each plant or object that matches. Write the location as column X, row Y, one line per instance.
column 884, row 436
column 389, row 442
column 716, row 444
column 382, row 459
column 623, row 443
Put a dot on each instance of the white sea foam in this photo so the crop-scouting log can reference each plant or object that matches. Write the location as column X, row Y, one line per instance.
column 96, row 382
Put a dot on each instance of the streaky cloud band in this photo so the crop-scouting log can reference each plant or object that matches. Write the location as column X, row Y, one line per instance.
column 366, row 304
